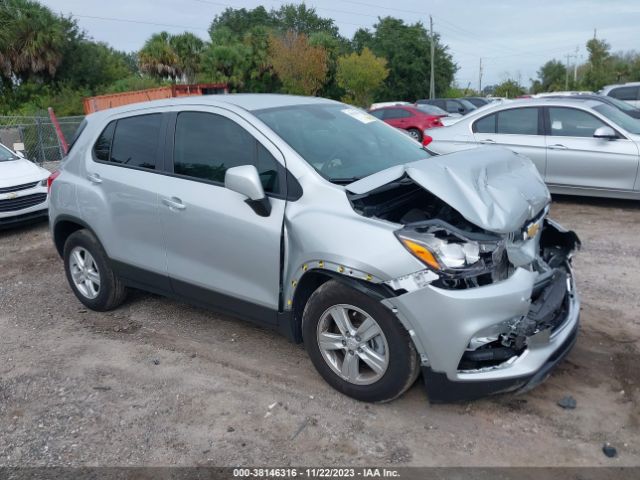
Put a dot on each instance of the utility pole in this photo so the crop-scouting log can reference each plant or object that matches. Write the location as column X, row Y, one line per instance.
column 575, row 66
column 432, row 85
column 480, row 78
column 566, row 74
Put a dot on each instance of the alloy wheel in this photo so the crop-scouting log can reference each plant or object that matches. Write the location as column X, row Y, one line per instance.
column 353, row 344
column 84, row 272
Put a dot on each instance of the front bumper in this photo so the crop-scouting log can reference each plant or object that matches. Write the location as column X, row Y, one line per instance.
column 23, row 206
column 443, row 322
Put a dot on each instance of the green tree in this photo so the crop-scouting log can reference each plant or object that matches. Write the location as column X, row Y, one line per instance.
column 361, row 74
column 90, row 65
column 335, row 46
column 509, row 89
column 188, row 48
column 302, row 19
column 408, row 54
column 239, row 21
column 301, row 67
column 551, row 77
column 599, row 72
column 32, row 40
column 158, row 57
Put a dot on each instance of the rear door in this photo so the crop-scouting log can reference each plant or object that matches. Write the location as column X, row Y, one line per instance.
column 575, row 158
column 119, row 195
column 219, row 250
column 519, row 129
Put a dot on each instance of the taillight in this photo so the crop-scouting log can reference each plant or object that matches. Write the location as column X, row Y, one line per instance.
column 426, row 140
column 51, row 178
column 437, row 123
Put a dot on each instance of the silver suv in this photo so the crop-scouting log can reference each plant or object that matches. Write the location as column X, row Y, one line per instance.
column 314, row 218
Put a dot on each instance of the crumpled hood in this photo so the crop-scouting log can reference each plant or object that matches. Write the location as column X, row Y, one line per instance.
column 493, row 188
column 16, row 172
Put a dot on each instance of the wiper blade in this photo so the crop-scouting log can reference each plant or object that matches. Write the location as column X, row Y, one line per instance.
column 344, row 180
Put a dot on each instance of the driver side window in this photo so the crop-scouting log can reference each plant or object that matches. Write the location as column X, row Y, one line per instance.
column 206, row 145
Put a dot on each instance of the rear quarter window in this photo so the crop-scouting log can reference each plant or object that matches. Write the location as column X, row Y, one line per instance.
column 131, row 141
column 485, row 125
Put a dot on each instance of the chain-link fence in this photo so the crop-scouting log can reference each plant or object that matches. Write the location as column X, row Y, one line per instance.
column 36, row 136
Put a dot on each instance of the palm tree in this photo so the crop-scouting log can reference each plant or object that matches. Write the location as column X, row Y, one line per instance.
column 188, row 48
column 158, row 57
column 32, row 39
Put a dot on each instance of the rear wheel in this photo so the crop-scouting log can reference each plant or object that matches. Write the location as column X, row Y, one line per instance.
column 415, row 134
column 89, row 273
column 357, row 345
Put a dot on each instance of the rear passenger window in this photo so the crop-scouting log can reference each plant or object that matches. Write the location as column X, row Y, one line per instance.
column 485, row 125
column 102, row 148
column 135, row 142
column 518, row 121
column 624, row 93
column 206, row 145
column 131, row 141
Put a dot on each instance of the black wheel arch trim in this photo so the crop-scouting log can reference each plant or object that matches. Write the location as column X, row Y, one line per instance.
column 311, row 281
column 71, row 219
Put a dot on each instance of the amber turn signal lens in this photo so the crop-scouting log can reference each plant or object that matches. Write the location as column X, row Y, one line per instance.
column 422, row 253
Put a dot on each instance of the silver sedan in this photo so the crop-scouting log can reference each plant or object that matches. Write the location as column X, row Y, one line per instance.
column 580, row 147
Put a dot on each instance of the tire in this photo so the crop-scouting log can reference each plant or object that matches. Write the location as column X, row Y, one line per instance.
column 105, row 294
column 334, row 299
column 415, row 133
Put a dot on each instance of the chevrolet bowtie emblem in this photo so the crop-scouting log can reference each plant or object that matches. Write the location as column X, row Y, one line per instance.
column 532, row 230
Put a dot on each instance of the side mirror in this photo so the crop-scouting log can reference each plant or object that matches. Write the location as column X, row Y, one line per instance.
column 606, row 133
column 246, row 181
column 461, row 110
column 19, row 153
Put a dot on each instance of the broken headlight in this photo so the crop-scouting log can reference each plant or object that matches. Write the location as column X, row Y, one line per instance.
column 449, row 250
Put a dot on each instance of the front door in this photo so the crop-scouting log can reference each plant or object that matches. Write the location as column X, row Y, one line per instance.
column 575, row 158
column 220, row 252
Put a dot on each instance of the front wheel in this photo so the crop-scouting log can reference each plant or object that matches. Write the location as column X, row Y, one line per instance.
column 357, row 345
column 415, row 134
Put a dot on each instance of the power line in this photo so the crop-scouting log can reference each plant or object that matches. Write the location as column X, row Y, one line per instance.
column 141, row 22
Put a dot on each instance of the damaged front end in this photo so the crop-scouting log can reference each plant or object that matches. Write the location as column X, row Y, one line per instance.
column 550, row 302
column 495, row 307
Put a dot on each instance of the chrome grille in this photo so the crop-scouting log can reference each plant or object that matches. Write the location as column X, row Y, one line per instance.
column 17, row 188
column 18, row 203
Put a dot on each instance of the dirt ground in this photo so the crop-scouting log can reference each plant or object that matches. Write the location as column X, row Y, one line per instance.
column 161, row 383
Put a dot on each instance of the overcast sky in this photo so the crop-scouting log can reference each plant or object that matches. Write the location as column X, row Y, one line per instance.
column 512, row 37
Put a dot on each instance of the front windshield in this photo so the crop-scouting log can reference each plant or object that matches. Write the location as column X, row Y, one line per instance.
column 342, row 143
column 630, row 124
column 6, row 154
column 431, row 109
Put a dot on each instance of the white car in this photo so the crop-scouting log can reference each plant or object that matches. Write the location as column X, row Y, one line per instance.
column 629, row 92
column 23, row 189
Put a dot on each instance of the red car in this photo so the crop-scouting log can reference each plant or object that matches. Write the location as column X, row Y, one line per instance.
column 412, row 119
